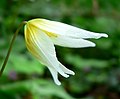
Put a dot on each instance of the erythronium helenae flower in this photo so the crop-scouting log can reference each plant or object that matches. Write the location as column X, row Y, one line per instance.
column 41, row 35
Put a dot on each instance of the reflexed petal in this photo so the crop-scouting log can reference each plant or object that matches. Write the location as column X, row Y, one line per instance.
column 71, row 42
column 65, row 29
column 40, row 45
column 66, row 70
column 54, row 75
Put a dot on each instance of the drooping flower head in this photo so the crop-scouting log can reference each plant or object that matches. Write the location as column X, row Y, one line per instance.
column 41, row 35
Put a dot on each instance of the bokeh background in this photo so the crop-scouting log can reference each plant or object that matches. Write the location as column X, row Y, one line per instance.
column 97, row 69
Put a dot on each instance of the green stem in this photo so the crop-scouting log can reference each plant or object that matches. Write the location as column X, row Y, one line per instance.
column 10, row 48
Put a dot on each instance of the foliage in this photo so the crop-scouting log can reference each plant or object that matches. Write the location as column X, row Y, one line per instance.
column 97, row 69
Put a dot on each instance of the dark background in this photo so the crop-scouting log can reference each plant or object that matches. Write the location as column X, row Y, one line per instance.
column 97, row 69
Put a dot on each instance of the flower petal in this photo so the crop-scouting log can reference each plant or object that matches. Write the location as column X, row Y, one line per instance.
column 54, row 75
column 66, row 70
column 41, row 46
column 71, row 42
column 65, row 29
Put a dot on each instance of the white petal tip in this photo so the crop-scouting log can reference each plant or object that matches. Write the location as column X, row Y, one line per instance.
column 99, row 35
column 72, row 73
column 93, row 45
column 104, row 35
column 66, row 76
column 58, row 83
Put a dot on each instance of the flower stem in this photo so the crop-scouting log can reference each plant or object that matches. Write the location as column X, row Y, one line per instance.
column 10, row 48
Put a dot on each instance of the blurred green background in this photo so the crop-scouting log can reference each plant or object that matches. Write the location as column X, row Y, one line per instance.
column 97, row 69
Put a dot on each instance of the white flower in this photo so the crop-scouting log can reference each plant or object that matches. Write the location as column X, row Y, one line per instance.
column 41, row 35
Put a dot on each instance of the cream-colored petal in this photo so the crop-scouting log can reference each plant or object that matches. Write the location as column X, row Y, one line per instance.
column 40, row 45
column 71, row 42
column 59, row 28
column 66, row 70
column 54, row 75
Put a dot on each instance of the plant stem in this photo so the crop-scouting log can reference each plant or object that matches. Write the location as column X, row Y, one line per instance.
column 10, row 48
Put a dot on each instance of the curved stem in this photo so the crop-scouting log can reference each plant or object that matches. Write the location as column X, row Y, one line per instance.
column 10, row 48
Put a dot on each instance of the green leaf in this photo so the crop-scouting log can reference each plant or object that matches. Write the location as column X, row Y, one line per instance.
column 79, row 62
column 22, row 64
column 38, row 88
